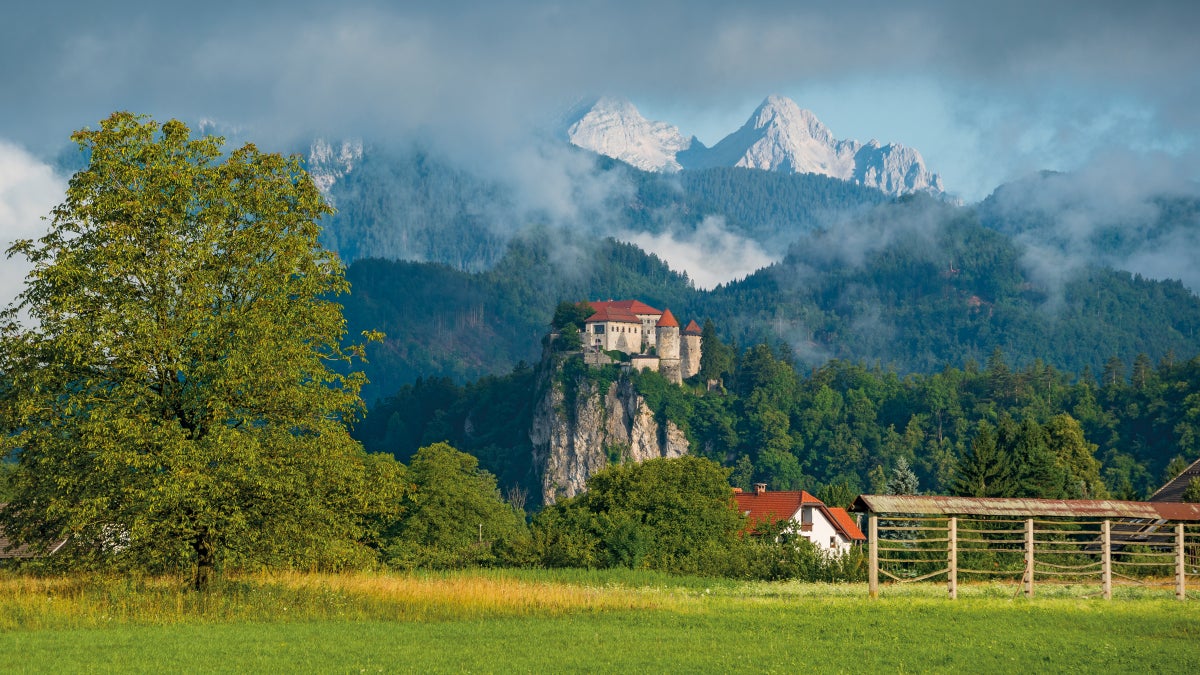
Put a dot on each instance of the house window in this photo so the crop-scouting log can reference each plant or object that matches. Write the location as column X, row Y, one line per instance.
column 598, row 328
column 833, row 542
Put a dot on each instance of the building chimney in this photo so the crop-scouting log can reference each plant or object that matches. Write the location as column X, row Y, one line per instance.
column 760, row 488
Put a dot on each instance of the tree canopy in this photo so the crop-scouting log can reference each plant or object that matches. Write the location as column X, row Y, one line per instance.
column 452, row 515
column 173, row 402
column 665, row 514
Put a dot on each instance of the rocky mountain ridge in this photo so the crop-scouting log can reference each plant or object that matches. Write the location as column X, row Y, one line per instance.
column 779, row 136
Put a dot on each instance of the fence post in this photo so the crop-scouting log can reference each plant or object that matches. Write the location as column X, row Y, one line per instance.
column 1180, row 568
column 952, row 551
column 1029, row 557
column 1107, row 560
column 873, row 533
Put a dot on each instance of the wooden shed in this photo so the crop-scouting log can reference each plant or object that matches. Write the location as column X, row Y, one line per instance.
column 914, row 538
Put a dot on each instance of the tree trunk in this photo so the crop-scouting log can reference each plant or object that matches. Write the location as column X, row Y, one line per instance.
column 205, row 560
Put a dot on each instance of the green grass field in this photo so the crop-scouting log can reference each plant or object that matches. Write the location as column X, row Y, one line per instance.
column 580, row 622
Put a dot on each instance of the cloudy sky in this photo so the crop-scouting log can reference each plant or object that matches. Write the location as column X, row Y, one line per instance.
column 987, row 91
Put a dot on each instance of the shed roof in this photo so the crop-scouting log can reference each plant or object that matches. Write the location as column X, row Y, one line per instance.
column 1173, row 490
column 10, row 549
column 1003, row 506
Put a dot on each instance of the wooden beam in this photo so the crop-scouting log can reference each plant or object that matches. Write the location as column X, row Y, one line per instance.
column 1107, row 560
column 952, row 552
column 1180, row 569
column 1029, row 557
column 873, row 533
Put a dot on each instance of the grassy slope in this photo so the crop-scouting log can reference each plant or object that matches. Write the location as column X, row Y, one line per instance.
column 597, row 624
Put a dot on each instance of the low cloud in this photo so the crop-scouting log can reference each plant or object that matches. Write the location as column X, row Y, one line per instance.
column 29, row 189
column 1138, row 212
column 710, row 254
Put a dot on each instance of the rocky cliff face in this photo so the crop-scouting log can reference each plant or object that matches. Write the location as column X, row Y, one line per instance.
column 574, row 439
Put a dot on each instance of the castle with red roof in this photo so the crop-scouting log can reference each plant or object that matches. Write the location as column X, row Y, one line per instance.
column 650, row 337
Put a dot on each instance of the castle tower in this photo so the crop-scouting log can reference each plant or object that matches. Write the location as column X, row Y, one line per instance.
column 667, row 339
column 689, row 350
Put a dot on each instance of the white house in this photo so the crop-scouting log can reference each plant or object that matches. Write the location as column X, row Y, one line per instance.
column 830, row 528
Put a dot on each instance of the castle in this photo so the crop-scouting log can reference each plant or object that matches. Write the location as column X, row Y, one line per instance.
column 650, row 337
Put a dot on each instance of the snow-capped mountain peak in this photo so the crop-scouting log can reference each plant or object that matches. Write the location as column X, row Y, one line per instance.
column 779, row 136
column 614, row 127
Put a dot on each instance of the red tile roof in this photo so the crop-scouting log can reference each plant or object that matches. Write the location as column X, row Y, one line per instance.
column 610, row 313
column 846, row 524
column 771, row 507
column 692, row 328
column 668, row 320
column 634, row 306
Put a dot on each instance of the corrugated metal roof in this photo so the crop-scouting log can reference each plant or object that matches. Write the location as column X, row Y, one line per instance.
column 999, row 506
column 1173, row 490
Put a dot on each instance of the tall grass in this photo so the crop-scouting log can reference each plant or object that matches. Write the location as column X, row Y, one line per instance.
column 88, row 600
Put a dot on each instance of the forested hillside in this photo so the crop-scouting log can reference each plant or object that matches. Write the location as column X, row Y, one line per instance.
column 410, row 205
column 846, row 428
column 912, row 285
column 442, row 322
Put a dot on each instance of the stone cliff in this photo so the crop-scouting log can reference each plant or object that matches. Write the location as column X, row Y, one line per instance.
column 574, row 439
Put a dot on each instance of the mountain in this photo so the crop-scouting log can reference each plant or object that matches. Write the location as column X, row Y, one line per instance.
column 779, row 136
column 407, row 203
column 613, row 127
column 328, row 163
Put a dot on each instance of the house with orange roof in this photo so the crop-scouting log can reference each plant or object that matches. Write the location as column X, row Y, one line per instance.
column 800, row 514
column 651, row 337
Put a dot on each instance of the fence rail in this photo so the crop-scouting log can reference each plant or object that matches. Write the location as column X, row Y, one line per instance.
column 917, row 548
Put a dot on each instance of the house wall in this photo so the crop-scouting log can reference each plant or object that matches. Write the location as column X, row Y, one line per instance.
column 823, row 533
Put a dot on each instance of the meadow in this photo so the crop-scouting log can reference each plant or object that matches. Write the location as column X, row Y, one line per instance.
column 578, row 621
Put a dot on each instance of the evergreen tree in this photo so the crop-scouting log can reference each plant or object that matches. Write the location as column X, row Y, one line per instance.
column 985, row 470
column 1077, row 457
column 716, row 357
column 903, row 480
column 1036, row 467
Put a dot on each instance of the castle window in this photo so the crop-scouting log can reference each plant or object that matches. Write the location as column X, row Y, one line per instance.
column 598, row 328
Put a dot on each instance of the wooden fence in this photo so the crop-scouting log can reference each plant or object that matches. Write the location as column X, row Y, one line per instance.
column 909, row 548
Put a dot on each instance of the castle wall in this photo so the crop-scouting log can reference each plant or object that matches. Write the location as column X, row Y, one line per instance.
column 644, row 363
column 689, row 356
column 649, row 321
column 626, row 337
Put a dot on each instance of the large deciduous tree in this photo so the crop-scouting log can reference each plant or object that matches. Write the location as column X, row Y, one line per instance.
column 173, row 402
column 667, row 514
